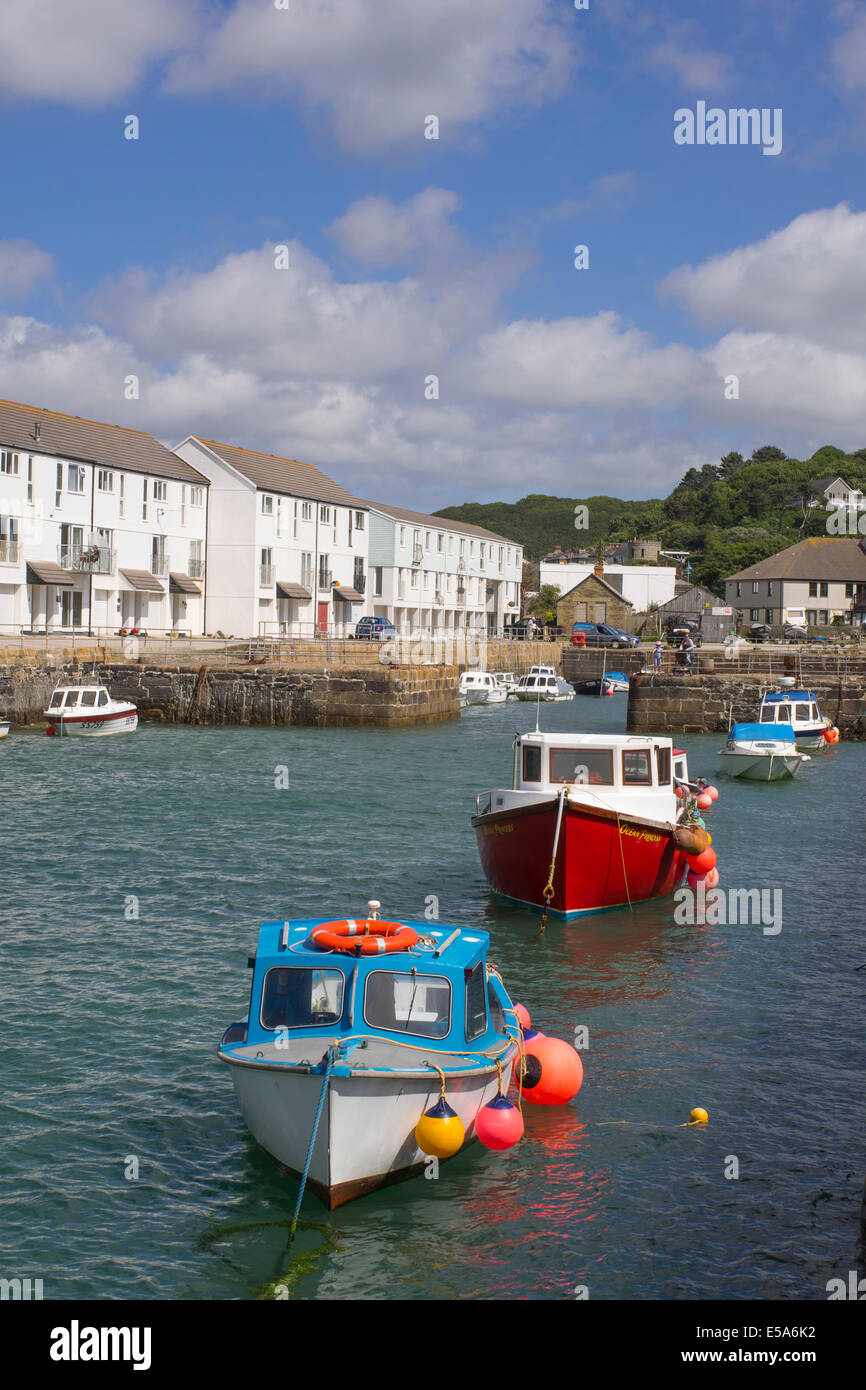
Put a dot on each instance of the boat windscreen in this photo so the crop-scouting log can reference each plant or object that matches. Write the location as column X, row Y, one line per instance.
column 300, row 997
column 592, row 765
column 408, row 1003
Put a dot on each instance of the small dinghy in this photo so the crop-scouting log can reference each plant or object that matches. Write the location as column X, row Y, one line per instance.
column 760, row 753
column 355, row 1030
column 89, row 710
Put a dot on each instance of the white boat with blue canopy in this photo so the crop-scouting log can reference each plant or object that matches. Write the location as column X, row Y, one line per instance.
column 760, row 753
column 341, row 1054
column 799, row 708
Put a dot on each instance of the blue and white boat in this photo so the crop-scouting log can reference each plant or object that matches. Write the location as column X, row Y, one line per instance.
column 761, row 754
column 367, row 1042
column 799, row 708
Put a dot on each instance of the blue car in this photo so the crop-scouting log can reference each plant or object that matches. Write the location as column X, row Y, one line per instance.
column 375, row 629
column 603, row 635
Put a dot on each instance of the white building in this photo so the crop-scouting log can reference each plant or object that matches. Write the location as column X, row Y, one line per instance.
column 286, row 546
column 101, row 528
column 641, row 584
column 433, row 575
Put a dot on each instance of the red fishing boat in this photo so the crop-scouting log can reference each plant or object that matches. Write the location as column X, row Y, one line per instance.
column 590, row 822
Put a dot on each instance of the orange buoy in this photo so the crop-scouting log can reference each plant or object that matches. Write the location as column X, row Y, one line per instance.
column 550, row 1071
column 704, row 802
column 702, row 863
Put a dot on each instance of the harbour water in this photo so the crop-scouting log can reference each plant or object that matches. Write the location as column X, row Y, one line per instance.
column 135, row 873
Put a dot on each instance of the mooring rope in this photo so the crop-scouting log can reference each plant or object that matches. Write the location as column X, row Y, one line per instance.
column 548, row 887
column 332, row 1055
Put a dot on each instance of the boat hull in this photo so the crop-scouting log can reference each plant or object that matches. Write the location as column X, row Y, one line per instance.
column 366, row 1136
column 603, row 860
column 94, row 726
column 760, row 767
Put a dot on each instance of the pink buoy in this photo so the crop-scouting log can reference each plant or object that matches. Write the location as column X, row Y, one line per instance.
column 523, row 1015
column 713, row 792
column 712, row 879
column 694, row 879
column 704, row 802
column 499, row 1124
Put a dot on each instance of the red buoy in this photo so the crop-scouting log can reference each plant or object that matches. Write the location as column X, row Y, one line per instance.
column 702, row 863
column 550, row 1071
column 523, row 1015
column 499, row 1124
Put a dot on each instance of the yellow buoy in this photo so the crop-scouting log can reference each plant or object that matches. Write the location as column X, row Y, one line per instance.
column 699, row 1116
column 440, row 1132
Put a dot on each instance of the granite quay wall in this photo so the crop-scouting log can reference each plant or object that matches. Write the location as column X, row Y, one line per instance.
column 225, row 695
column 699, row 704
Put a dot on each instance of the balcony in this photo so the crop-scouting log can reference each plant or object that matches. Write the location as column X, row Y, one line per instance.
column 461, row 593
column 266, row 576
column 86, row 559
column 159, row 566
column 461, row 565
column 195, row 569
column 326, row 579
column 360, row 583
column 9, row 552
column 417, row 555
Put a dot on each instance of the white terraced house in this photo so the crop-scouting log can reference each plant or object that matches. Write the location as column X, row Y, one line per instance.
column 101, row 528
column 287, row 547
column 439, row 577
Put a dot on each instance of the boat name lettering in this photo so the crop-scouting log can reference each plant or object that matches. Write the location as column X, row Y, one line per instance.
column 498, row 829
column 639, row 834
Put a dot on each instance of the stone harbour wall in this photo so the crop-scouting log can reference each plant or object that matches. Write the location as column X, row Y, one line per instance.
column 699, row 704
column 204, row 695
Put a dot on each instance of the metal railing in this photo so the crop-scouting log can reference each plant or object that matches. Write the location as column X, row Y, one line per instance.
column 86, row 559
column 9, row 552
column 266, row 576
column 195, row 569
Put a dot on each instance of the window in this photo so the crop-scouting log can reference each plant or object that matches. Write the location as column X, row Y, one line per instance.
column 476, row 1003
column 359, row 521
column 824, row 590
column 196, row 565
column 440, row 542
column 306, row 511
column 8, row 462
column 768, row 615
column 196, row 497
column 74, row 478
column 754, row 586
column 58, row 494
column 849, row 590
column 267, row 505
column 56, row 700
column 160, row 490
column 158, row 565
column 531, row 763
column 754, row 614
column 120, row 495
column 144, row 499
column 663, row 766
column 324, row 572
column 823, row 616
column 306, row 569
column 104, row 480
column 593, row 765
column 88, row 698
column 377, row 581
column 413, row 578
column 325, row 515
column 409, row 1003
column 811, row 617
column 636, row 767
column 30, row 479
column 497, row 1013
column 769, row 588
column 739, row 590
column 103, row 697
column 813, row 588
column 301, row 997
column 427, row 538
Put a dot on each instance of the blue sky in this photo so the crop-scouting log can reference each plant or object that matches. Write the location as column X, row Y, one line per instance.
column 453, row 257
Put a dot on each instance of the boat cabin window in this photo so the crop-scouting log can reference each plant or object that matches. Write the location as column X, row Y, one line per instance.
column 56, row 700
column 636, row 767
column 300, row 997
column 815, row 715
column 663, row 766
column 593, row 765
column 768, row 714
column 88, row 697
column 476, row 1003
column 408, row 1003
column 680, row 770
column 71, row 698
column 531, row 763
column 103, row 697
column 783, row 714
column 497, row 1013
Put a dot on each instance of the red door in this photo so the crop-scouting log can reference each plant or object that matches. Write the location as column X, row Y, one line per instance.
column 322, row 620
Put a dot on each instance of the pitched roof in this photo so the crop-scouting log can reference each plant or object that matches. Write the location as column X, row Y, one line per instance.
column 818, row 557
column 587, row 577
column 89, row 441
column 441, row 523
column 288, row 476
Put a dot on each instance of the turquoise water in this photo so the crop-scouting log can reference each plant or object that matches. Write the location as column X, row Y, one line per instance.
column 111, row 1026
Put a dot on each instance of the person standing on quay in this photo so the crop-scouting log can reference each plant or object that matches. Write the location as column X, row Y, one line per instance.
column 657, row 655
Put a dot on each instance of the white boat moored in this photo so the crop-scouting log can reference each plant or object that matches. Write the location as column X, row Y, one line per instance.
column 89, row 710
column 542, row 683
column 799, row 708
column 761, row 754
column 5, row 726
column 481, row 688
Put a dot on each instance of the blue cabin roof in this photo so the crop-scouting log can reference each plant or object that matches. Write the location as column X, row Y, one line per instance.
column 786, row 696
column 444, row 1001
column 765, row 733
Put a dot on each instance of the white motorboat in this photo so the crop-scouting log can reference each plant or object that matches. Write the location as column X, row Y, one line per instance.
column 481, row 688
column 89, row 711
column 542, row 683
column 507, row 680
column 5, row 726
column 799, row 708
column 347, row 1042
column 761, row 754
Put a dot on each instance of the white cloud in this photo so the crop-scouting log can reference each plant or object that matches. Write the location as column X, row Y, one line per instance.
column 379, row 67
column 848, row 51
column 86, row 52
column 700, row 69
column 379, row 232
column 808, row 279
column 22, row 265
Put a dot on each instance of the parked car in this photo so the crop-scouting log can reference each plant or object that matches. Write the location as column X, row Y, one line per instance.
column 603, row 635
column 760, row 632
column 676, row 633
column 373, row 629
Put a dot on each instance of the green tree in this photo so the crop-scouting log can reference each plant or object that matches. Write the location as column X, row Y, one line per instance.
column 543, row 606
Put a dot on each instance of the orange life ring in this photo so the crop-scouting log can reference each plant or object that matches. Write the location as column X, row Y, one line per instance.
column 371, row 937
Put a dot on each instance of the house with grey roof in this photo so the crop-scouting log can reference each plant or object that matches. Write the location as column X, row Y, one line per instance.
column 287, row 546
column 814, row 581
column 102, row 529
